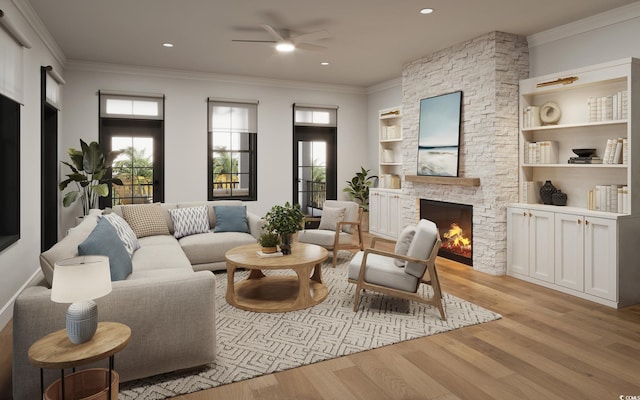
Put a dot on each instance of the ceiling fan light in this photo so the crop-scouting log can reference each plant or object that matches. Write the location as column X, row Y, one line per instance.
column 285, row 47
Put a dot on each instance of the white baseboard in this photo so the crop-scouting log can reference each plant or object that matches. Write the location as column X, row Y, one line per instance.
column 6, row 313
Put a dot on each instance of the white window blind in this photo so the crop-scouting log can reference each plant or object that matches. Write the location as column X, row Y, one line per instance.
column 53, row 87
column 11, row 66
column 138, row 106
column 310, row 115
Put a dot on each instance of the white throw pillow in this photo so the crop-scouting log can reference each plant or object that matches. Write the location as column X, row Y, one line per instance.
column 403, row 243
column 124, row 231
column 330, row 218
column 189, row 221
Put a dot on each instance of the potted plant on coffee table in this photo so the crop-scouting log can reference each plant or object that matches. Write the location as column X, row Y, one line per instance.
column 269, row 241
column 358, row 190
column 285, row 221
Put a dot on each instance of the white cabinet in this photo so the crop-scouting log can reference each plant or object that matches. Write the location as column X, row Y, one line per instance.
column 530, row 235
column 593, row 249
column 385, row 212
column 390, row 148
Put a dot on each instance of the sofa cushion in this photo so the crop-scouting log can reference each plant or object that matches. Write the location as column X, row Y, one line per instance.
column 124, row 231
column 210, row 247
column 351, row 213
column 189, row 221
column 231, row 219
column 104, row 241
column 330, row 218
column 403, row 243
column 68, row 246
column 159, row 252
column 421, row 246
column 146, row 219
column 381, row 270
column 323, row 238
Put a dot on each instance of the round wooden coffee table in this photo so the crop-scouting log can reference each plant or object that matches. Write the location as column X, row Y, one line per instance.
column 276, row 293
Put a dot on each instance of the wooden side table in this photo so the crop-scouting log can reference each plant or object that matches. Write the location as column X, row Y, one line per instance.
column 55, row 351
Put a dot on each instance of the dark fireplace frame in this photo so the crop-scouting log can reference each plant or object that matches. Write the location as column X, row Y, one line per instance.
column 424, row 203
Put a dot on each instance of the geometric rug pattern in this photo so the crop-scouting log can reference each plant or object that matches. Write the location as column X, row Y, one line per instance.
column 251, row 344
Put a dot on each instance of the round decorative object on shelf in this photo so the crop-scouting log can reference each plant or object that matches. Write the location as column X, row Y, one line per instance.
column 546, row 192
column 559, row 198
column 550, row 113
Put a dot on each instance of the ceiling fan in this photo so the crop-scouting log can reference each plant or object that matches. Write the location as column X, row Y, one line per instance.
column 285, row 42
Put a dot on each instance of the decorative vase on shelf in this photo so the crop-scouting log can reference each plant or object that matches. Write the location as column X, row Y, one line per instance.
column 559, row 198
column 546, row 192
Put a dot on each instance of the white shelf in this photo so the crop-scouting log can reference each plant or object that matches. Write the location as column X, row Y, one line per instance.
column 390, row 146
column 578, row 125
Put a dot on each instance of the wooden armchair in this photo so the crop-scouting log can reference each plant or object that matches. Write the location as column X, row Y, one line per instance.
column 376, row 269
column 336, row 233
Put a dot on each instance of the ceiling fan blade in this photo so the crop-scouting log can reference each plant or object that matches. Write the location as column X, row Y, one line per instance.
column 310, row 37
column 309, row 46
column 273, row 33
column 253, row 41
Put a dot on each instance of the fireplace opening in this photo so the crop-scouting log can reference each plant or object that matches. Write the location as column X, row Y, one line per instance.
column 455, row 224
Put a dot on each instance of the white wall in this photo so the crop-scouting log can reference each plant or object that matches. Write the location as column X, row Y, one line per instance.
column 19, row 262
column 603, row 37
column 186, row 125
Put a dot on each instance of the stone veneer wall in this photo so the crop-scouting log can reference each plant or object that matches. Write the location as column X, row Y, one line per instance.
column 488, row 70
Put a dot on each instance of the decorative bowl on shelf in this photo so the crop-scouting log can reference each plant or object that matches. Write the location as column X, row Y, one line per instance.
column 584, row 152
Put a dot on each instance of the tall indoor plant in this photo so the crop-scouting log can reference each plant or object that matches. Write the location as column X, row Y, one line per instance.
column 358, row 190
column 285, row 221
column 89, row 165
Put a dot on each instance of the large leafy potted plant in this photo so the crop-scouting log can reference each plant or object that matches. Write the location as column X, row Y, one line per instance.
column 285, row 221
column 89, row 165
column 358, row 190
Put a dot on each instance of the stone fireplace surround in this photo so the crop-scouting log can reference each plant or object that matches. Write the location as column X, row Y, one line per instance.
column 488, row 70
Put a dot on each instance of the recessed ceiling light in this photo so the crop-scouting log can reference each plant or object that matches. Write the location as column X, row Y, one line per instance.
column 426, row 11
column 167, row 44
column 324, row 63
column 285, row 47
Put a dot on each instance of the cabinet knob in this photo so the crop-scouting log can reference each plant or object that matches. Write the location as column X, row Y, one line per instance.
column 524, row 214
column 530, row 215
column 579, row 221
column 586, row 222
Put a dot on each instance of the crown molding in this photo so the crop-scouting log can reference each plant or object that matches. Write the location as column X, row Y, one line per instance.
column 379, row 87
column 40, row 29
column 607, row 18
column 208, row 76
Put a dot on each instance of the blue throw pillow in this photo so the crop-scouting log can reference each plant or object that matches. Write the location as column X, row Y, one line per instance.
column 104, row 241
column 231, row 219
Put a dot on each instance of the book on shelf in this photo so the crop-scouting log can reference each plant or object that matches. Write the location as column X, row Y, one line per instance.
column 531, row 192
column 608, row 108
column 615, row 151
column 585, row 160
column 262, row 254
column 609, row 198
column 543, row 152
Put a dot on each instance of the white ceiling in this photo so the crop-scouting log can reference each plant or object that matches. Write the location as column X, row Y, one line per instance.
column 370, row 39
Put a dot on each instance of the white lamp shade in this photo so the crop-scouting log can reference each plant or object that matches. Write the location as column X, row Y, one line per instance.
column 80, row 278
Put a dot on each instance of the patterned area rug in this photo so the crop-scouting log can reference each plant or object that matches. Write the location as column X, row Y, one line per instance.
column 253, row 344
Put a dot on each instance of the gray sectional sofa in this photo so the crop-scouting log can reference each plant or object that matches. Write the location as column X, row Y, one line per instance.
column 168, row 300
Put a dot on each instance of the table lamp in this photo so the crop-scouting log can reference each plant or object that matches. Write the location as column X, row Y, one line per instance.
column 79, row 280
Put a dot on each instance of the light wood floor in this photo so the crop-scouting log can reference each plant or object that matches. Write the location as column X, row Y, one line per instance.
column 547, row 346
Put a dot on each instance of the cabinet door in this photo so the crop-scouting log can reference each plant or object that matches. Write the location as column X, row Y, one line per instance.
column 601, row 258
column 541, row 245
column 383, row 221
column 394, row 208
column 518, row 241
column 374, row 211
column 569, row 251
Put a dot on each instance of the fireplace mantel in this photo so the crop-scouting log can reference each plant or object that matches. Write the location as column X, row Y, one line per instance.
column 443, row 180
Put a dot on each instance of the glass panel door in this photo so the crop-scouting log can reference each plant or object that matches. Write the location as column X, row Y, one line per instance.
column 312, row 176
column 134, row 167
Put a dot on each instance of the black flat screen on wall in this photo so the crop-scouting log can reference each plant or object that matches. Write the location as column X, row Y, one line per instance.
column 10, row 167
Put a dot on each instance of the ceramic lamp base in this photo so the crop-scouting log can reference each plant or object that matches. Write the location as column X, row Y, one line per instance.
column 82, row 321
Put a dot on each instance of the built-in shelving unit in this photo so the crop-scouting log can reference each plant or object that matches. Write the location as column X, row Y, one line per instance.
column 579, row 248
column 390, row 148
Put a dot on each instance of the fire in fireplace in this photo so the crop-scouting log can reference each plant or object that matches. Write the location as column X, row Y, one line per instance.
column 455, row 223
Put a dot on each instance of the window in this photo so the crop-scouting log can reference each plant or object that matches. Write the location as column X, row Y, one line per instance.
column 10, row 165
column 232, row 150
column 115, row 105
